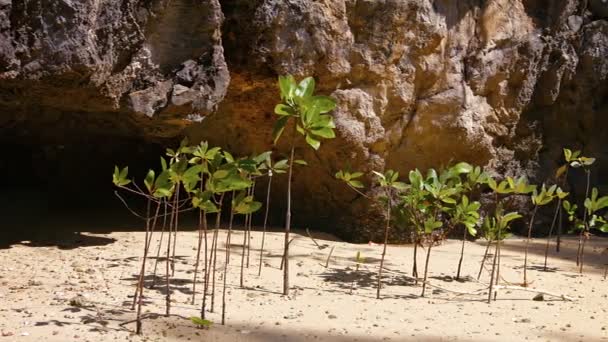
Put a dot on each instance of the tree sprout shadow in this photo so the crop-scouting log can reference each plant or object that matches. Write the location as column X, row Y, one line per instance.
column 345, row 278
column 157, row 283
column 60, row 239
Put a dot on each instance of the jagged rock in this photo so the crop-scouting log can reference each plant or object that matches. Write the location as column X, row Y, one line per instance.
column 502, row 83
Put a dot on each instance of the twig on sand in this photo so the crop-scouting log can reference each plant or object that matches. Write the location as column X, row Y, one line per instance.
column 329, row 256
column 315, row 241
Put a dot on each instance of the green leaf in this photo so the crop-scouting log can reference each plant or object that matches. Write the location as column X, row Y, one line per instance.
column 380, row 175
column 281, row 164
column 278, row 128
column 300, row 129
column 462, row 168
column 471, row 229
column 229, row 158
column 282, row 109
column 149, row 181
column 287, row 87
column 448, row 200
column 119, row 178
column 310, row 117
column 326, row 133
column 356, row 174
column 124, row 173
column 492, row 184
column 219, row 174
column 306, row 87
column 356, row 183
column 162, row 192
column 323, row 121
column 262, row 157
column 324, row 103
column 245, row 204
column 567, row 154
column 204, row 323
column 300, row 162
column 561, row 171
column 399, row 186
column 510, row 217
column 587, row 161
column 314, row 143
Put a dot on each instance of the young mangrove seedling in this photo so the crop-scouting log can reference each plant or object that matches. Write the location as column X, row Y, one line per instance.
column 542, row 198
column 271, row 170
column 561, row 178
column 202, row 155
column 309, row 113
column 593, row 206
column 560, row 194
column 575, row 160
column 388, row 181
column 359, row 259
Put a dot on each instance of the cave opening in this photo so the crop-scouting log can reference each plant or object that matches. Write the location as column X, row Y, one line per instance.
column 59, row 183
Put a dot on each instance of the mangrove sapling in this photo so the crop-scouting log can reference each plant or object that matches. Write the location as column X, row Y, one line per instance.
column 229, row 177
column 421, row 205
column 591, row 218
column 436, row 199
column 158, row 188
column 160, row 243
column 431, row 232
column 165, row 201
column 246, row 169
column 408, row 212
column 213, row 258
column 467, row 214
column 258, row 167
column 485, row 256
column 204, row 201
column 214, row 164
column 241, row 204
column 561, row 176
column 575, row 160
column 278, row 167
column 202, row 155
column 179, row 174
column 387, row 181
column 498, row 225
column 245, row 240
column 560, row 194
column 592, row 206
column 201, row 322
column 250, row 168
column 544, row 197
column 359, row 259
column 312, row 122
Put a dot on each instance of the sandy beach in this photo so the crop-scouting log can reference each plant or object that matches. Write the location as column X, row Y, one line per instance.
column 81, row 290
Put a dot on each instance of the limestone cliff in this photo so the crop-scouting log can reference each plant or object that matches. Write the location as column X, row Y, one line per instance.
column 502, row 83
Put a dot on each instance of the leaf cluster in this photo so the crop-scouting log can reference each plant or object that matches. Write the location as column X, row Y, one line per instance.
column 309, row 111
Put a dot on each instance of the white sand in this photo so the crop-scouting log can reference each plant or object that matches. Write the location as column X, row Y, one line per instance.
column 37, row 283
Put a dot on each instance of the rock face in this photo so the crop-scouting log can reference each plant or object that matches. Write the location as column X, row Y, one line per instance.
column 502, row 83
column 161, row 59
